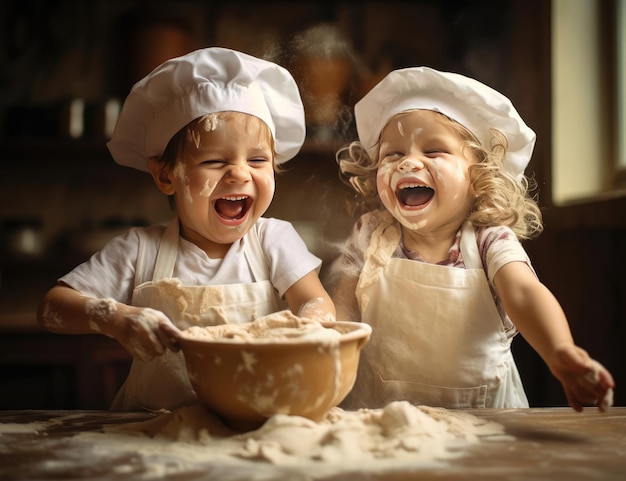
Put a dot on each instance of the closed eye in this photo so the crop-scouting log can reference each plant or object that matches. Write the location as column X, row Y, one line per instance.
column 214, row 163
column 435, row 152
column 259, row 161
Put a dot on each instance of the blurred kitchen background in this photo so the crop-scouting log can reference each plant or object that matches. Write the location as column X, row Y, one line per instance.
column 66, row 66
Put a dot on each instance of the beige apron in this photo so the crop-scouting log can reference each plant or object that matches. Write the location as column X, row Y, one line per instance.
column 437, row 336
column 162, row 382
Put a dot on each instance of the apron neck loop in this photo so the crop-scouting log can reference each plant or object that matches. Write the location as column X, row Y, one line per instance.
column 469, row 247
column 384, row 241
column 257, row 260
column 168, row 249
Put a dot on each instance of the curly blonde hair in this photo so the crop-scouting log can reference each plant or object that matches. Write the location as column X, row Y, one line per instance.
column 501, row 198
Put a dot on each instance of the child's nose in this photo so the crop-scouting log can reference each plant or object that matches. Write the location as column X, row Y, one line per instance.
column 239, row 172
column 410, row 164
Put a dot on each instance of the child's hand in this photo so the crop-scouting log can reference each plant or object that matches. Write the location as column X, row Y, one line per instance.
column 143, row 332
column 585, row 381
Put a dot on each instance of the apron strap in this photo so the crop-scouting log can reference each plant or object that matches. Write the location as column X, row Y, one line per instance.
column 469, row 247
column 255, row 255
column 383, row 242
column 168, row 249
column 140, row 266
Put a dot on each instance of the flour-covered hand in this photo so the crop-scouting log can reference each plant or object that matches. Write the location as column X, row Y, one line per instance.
column 143, row 332
column 585, row 381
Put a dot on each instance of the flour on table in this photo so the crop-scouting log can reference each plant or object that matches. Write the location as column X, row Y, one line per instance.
column 34, row 427
column 398, row 435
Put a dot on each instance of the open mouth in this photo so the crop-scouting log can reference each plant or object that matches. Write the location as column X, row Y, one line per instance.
column 233, row 208
column 413, row 195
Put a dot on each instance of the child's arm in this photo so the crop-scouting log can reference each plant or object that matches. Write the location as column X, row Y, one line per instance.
column 540, row 319
column 342, row 291
column 308, row 299
column 143, row 332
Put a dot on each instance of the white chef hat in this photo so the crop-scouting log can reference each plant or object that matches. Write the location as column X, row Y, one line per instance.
column 202, row 82
column 472, row 104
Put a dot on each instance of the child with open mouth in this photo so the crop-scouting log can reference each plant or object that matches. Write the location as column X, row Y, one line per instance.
column 435, row 265
column 211, row 127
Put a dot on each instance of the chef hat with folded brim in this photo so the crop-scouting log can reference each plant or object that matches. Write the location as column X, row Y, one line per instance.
column 472, row 104
column 202, row 82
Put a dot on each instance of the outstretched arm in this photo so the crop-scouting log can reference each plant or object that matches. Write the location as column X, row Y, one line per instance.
column 540, row 319
column 143, row 332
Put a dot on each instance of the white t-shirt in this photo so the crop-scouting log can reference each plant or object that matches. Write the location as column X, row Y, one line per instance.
column 111, row 272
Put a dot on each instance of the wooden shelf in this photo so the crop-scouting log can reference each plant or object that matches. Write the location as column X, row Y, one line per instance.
column 28, row 147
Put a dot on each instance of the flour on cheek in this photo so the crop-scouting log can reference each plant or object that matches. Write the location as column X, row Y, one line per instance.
column 180, row 173
column 383, row 181
column 207, row 188
column 269, row 181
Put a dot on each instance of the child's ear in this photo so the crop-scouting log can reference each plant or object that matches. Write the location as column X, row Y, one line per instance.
column 161, row 175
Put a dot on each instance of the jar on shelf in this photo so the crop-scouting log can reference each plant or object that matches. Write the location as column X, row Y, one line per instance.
column 22, row 237
column 323, row 65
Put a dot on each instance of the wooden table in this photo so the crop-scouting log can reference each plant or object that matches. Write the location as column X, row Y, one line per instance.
column 548, row 444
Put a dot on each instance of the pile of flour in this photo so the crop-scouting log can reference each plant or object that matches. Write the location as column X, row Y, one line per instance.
column 191, row 443
column 400, row 435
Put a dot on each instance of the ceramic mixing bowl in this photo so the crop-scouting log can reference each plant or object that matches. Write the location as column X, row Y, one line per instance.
column 246, row 381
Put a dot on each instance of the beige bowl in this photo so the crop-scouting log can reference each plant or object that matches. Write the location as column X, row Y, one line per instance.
column 246, row 381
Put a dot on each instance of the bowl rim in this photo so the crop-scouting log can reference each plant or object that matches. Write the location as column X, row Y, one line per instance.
column 362, row 331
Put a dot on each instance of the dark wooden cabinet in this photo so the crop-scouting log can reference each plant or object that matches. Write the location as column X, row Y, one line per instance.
column 40, row 370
